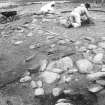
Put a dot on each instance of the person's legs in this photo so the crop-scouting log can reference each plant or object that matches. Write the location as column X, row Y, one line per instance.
column 75, row 20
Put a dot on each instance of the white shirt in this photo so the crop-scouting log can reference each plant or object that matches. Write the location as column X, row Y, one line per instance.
column 81, row 10
column 47, row 8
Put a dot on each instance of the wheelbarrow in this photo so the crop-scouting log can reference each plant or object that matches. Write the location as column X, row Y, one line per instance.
column 8, row 16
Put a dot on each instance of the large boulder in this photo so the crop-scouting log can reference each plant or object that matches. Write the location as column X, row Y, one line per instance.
column 65, row 63
column 50, row 77
column 84, row 65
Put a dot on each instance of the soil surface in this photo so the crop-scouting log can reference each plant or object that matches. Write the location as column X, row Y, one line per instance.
column 27, row 41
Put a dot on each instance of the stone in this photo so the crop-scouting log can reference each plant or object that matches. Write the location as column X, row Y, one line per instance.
column 18, row 42
column 33, row 84
column 100, row 82
column 56, row 70
column 74, row 70
column 98, row 58
column 65, row 63
column 50, row 77
column 63, row 103
column 84, row 65
column 25, row 79
column 32, row 46
column 61, row 100
column 92, row 46
column 30, row 34
column 95, row 88
column 39, row 92
column 103, row 68
column 95, row 76
column 68, row 91
column 39, row 83
column 43, row 65
column 56, row 91
column 101, row 44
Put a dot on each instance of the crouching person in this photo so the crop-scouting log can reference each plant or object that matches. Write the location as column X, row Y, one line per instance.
column 78, row 14
column 49, row 8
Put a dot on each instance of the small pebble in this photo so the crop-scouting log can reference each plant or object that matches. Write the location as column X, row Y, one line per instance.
column 18, row 42
column 39, row 83
column 56, row 91
column 25, row 79
column 43, row 64
column 33, row 84
column 39, row 92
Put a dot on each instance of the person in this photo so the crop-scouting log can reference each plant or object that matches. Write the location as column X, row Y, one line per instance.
column 78, row 14
column 48, row 8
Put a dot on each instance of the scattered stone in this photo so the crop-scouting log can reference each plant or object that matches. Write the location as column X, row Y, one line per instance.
column 33, row 84
column 74, row 70
column 95, row 88
column 101, row 44
column 39, row 83
column 92, row 46
column 56, row 91
column 27, row 73
column 30, row 34
column 56, row 70
column 43, row 65
column 65, row 63
column 63, row 103
column 101, row 82
column 103, row 68
column 68, row 91
column 32, row 46
column 30, row 58
column 95, row 76
column 25, row 79
column 18, row 42
column 61, row 100
column 84, row 65
column 39, row 92
column 98, row 58
column 50, row 77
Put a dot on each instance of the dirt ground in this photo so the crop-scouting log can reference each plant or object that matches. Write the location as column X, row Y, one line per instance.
column 34, row 39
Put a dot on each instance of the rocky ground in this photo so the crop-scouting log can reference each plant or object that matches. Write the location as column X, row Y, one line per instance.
column 42, row 62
